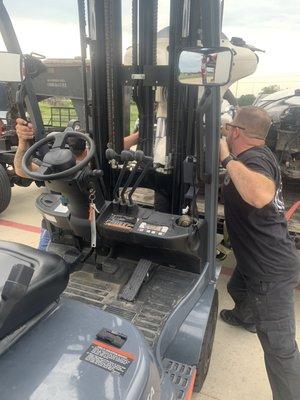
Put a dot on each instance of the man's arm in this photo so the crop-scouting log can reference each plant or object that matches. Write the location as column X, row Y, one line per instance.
column 25, row 133
column 255, row 188
column 131, row 140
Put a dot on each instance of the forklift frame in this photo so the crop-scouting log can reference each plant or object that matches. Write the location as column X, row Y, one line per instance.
column 106, row 65
column 196, row 308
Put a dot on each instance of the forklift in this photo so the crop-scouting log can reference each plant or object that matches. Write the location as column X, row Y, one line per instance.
column 123, row 305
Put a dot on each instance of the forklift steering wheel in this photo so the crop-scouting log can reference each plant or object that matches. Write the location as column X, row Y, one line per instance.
column 59, row 162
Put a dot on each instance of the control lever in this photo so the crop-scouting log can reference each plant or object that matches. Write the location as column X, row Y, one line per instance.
column 125, row 157
column 140, row 157
column 98, row 174
column 112, row 155
column 20, row 103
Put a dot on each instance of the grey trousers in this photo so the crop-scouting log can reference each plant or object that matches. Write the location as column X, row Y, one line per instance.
column 270, row 306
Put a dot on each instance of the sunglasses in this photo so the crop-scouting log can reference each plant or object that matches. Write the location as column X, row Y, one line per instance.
column 228, row 126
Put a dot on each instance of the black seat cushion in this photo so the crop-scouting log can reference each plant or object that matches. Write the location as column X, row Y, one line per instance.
column 49, row 280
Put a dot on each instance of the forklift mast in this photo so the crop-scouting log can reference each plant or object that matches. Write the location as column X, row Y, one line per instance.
column 191, row 22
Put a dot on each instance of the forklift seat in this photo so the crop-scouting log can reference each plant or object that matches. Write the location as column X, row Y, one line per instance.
column 30, row 280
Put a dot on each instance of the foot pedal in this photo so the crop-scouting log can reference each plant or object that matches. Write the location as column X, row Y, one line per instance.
column 112, row 270
column 182, row 377
column 134, row 284
column 110, row 265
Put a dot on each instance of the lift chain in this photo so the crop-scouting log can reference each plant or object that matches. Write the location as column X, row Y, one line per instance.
column 108, row 21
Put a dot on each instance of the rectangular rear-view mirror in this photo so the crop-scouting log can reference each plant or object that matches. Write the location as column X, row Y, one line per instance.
column 205, row 66
column 10, row 67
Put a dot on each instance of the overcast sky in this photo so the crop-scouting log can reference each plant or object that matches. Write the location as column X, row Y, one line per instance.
column 50, row 27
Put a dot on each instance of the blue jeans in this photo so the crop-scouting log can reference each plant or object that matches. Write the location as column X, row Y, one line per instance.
column 45, row 239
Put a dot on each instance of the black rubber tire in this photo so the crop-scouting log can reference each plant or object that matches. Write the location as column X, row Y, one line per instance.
column 5, row 189
column 204, row 361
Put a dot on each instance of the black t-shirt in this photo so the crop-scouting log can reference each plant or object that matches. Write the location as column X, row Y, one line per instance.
column 260, row 237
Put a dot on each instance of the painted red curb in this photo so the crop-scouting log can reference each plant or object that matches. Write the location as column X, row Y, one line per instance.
column 17, row 225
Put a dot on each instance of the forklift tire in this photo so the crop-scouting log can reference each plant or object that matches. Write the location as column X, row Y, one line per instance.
column 5, row 189
column 204, row 361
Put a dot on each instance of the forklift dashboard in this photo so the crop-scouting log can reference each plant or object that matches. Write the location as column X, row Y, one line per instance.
column 150, row 229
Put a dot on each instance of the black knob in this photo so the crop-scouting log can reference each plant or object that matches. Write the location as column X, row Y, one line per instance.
column 127, row 155
column 111, row 155
column 139, row 155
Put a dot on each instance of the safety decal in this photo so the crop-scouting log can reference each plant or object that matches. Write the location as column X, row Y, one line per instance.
column 108, row 357
column 120, row 223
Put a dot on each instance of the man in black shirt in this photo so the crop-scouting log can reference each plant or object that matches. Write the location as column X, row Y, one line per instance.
column 267, row 262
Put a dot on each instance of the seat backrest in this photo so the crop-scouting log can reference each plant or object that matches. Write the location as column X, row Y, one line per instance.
column 18, row 303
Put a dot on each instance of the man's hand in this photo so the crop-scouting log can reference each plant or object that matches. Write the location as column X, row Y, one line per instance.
column 224, row 149
column 24, row 131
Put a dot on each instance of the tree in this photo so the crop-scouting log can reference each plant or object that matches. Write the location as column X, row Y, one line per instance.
column 246, row 100
column 270, row 89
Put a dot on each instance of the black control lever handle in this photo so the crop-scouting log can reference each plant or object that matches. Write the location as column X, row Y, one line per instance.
column 98, row 174
column 127, row 155
column 119, row 180
column 112, row 155
column 20, row 103
column 129, row 180
column 148, row 162
column 139, row 157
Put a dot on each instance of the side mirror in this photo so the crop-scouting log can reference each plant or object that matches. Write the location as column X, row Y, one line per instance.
column 10, row 67
column 205, row 67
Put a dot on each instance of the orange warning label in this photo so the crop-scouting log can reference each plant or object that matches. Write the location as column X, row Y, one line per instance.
column 108, row 357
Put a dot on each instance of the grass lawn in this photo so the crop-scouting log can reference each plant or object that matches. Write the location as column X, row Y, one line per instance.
column 60, row 117
column 45, row 108
column 133, row 116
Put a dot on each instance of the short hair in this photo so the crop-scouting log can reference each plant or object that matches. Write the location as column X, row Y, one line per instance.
column 255, row 120
column 77, row 145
